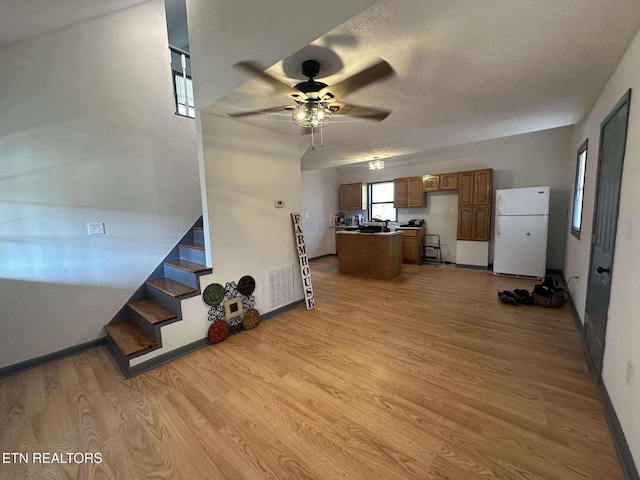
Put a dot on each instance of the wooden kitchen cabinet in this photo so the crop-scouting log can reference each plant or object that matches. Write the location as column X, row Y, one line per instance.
column 412, row 241
column 465, row 188
column 431, row 183
column 481, row 223
column 400, row 192
column 353, row 196
column 474, row 205
column 449, row 181
column 465, row 223
column 482, row 187
column 408, row 192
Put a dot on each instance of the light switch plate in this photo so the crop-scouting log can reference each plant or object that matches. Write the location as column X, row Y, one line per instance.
column 96, row 228
column 278, row 203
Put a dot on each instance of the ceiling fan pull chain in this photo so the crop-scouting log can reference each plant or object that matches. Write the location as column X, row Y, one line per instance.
column 321, row 137
column 313, row 147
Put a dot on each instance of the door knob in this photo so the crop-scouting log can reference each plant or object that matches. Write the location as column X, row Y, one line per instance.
column 601, row 270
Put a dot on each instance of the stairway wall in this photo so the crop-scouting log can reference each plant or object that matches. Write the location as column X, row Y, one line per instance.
column 87, row 134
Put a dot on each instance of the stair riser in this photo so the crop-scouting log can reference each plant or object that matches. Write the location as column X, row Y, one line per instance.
column 193, row 255
column 163, row 299
column 186, row 278
column 152, row 330
column 198, row 236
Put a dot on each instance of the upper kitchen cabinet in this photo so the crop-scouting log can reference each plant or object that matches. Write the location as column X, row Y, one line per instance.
column 474, row 187
column 465, row 188
column 482, row 187
column 449, row 181
column 408, row 192
column 431, row 183
column 353, row 196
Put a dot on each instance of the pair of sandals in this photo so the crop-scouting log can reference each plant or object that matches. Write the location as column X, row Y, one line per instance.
column 518, row 297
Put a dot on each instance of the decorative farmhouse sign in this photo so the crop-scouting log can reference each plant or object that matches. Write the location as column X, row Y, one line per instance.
column 301, row 248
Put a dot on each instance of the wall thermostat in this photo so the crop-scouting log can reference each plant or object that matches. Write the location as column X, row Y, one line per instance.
column 278, row 203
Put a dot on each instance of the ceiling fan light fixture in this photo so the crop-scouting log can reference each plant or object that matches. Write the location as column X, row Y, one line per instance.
column 376, row 164
column 311, row 115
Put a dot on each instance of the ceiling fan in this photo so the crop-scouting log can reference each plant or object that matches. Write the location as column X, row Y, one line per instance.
column 315, row 102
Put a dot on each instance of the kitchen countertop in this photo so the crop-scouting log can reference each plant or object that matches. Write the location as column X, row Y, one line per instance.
column 344, row 226
column 410, row 228
column 376, row 234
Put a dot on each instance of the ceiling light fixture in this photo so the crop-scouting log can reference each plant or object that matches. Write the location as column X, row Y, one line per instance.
column 376, row 164
column 312, row 114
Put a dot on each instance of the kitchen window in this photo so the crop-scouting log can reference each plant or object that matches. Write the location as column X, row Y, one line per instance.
column 381, row 201
column 578, row 195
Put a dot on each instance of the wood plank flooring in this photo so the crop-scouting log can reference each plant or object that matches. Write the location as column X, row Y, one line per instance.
column 426, row 376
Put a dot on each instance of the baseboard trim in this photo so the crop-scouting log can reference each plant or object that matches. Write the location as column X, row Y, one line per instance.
column 619, row 441
column 576, row 318
column 278, row 311
column 472, row 267
column 51, row 357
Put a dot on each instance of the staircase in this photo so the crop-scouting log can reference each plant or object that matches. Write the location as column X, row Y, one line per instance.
column 137, row 328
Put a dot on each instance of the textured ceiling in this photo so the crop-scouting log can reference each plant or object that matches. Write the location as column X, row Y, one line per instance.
column 467, row 71
column 22, row 19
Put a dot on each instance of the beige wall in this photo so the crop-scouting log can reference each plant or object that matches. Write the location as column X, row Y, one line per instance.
column 246, row 169
column 623, row 327
column 319, row 204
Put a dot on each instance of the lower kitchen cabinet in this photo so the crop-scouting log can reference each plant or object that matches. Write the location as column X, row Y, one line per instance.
column 412, row 242
column 474, row 223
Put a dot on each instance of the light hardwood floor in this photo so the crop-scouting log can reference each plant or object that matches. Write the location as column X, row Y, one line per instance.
column 426, row 376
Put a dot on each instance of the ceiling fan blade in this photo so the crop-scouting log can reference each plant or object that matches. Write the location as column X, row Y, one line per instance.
column 366, row 113
column 254, row 69
column 373, row 73
column 264, row 110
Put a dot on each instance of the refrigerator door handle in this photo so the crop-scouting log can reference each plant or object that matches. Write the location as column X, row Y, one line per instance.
column 499, row 224
column 499, row 202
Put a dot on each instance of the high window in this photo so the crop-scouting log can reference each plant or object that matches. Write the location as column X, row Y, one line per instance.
column 578, row 193
column 381, row 201
column 182, row 84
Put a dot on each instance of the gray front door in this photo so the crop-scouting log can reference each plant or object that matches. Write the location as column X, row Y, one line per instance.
column 613, row 138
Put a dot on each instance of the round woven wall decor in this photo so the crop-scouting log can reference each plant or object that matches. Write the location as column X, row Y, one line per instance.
column 218, row 331
column 251, row 319
column 213, row 294
column 246, row 285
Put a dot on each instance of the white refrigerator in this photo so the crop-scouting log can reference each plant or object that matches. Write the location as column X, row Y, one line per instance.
column 520, row 237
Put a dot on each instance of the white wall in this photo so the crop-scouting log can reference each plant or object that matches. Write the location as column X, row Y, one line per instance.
column 320, row 192
column 246, row 169
column 527, row 160
column 623, row 327
column 87, row 134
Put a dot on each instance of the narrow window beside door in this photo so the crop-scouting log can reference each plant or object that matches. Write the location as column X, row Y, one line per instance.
column 578, row 193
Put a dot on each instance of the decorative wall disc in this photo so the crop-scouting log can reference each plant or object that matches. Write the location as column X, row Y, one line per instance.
column 251, row 319
column 246, row 285
column 213, row 294
column 218, row 331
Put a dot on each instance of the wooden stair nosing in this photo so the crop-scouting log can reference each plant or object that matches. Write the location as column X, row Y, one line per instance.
column 188, row 266
column 130, row 339
column 193, row 245
column 171, row 288
column 151, row 311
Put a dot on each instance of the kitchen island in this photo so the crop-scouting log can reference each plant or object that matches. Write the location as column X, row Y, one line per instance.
column 373, row 255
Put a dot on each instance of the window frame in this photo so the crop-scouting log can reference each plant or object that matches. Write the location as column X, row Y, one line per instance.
column 578, row 188
column 370, row 201
column 175, row 95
